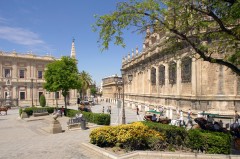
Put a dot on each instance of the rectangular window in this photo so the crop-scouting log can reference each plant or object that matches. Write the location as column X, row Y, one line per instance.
column 5, row 94
column 56, row 95
column 40, row 74
column 22, row 95
column 7, row 72
column 21, row 73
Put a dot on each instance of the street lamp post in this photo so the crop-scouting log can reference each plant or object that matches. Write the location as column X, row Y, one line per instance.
column 130, row 76
column 118, row 83
column 32, row 90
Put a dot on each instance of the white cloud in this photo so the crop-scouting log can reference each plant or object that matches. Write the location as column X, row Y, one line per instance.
column 3, row 20
column 20, row 36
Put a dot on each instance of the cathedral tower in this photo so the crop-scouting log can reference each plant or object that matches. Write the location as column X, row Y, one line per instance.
column 73, row 53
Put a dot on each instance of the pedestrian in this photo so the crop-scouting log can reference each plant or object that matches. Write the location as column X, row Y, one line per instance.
column 62, row 111
column 161, row 111
column 137, row 110
column 154, row 118
column 236, row 116
column 210, row 119
column 110, row 109
column 189, row 113
column 103, row 110
column 181, row 118
column 189, row 117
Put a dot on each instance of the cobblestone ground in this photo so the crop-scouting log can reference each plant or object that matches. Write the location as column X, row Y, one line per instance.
column 28, row 138
column 22, row 139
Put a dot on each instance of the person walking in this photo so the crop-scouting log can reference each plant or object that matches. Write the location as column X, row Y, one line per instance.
column 62, row 111
column 189, row 113
column 181, row 118
column 110, row 109
column 236, row 116
column 103, row 110
column 137, row 111
column 189, row 117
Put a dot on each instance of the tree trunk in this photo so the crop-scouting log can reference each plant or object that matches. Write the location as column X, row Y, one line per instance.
column 65, row 103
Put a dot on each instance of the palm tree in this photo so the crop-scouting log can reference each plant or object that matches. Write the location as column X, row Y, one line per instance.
column 86, row 82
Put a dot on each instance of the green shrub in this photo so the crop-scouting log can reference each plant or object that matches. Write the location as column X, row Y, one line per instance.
column 174, row 135
column 50, row 109
column 42, row 100
column 97, row 118
column 29, row 110
column 71, row 112
column 20, row 111
column 135, row 136
column 210, row 142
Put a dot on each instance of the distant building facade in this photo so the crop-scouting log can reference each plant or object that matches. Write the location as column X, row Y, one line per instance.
column 22, row 75
column 180, row 81
column 110, row 90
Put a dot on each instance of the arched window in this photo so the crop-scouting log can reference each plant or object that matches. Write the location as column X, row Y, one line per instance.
column 161, row 76
column 172, row 72
column 153, row 76
column 186, row 70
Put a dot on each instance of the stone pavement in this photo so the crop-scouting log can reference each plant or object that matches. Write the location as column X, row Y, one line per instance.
column 22, row 139
column 28, row 138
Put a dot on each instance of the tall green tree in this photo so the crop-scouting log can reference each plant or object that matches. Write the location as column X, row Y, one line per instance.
column 93, row 91
column 86, row 82
column 211, row 28
column 42, row 100
column 62, row 75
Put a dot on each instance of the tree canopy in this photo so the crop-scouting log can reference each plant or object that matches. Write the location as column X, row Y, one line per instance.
column 210, row 28
column 86, row 82
column 62, row 75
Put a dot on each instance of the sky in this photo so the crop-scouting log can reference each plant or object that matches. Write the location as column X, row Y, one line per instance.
column 47, row 27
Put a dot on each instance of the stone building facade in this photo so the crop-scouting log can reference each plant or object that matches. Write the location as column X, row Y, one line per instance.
column 179, row 81
column 111, row 91
column 22, row 75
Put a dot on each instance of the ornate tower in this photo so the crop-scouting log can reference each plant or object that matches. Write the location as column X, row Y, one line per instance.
column 73, row 53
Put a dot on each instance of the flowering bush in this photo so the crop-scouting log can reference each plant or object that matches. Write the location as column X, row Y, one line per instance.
column 131, row 136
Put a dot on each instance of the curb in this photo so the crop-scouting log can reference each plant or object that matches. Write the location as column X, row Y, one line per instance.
column 156, row 154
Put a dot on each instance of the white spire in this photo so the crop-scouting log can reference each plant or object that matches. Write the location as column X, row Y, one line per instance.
column 73, row 53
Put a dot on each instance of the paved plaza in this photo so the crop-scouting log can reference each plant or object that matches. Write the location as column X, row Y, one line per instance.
column 28, row 138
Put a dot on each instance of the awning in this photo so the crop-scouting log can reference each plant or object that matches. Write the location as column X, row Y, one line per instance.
column 154, row 112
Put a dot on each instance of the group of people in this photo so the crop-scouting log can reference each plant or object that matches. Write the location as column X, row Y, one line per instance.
column 180, row 119
column 59, row 112
column 109, row 110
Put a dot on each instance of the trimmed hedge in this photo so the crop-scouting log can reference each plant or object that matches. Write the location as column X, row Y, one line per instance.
column 175, row 136
column 100, row 119
column 195, row 139
column 209, row 141
column 29, row 110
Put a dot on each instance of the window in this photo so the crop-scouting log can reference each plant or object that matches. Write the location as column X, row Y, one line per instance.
column 186, row 70
column 40, row 74
column 172, row 72
column 161, row 77
column 21, row 73
column 56, row 95
column 22, row 95
column 153, row 76
column 7, row 72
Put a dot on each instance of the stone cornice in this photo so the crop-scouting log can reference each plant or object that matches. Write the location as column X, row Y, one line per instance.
column 189, row 97
column 27, row 56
